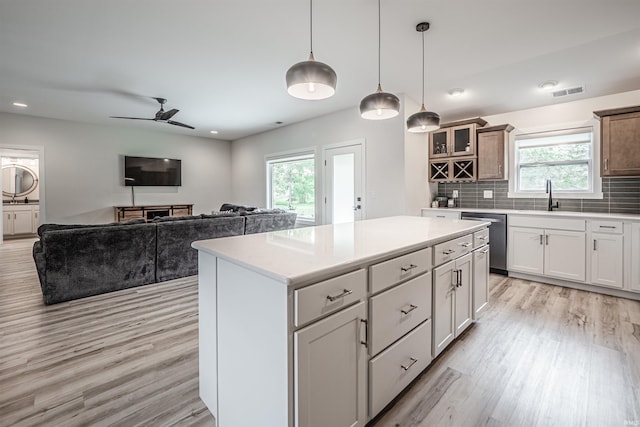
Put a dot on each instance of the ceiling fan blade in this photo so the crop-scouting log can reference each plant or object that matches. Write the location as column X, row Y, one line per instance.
column 130, row 118
column 171, row 122
column 168, row 114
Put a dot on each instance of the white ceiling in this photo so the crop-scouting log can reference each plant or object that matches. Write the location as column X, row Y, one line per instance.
column 223, row 62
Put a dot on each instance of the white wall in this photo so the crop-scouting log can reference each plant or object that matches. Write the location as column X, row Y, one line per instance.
column 418, row 190
column 385, row 157
column 82, row 166
column 568, row 113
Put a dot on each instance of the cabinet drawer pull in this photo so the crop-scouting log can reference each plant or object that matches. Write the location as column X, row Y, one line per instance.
column 594, row 245
column 448, row 252
column 411, row 363
column 546, row 237
column 465, row 245
column 341, row 295
column 411, row 308
column 409, row 268
column 482, row 237
column 485, row 251
column 608, row 226
column 541, row 239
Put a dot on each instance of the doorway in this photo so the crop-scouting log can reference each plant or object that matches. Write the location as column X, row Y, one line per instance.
column 22, row 191
column 344, row 178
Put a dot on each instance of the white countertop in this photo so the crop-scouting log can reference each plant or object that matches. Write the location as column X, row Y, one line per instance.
column 612, row 216
column 301, row 255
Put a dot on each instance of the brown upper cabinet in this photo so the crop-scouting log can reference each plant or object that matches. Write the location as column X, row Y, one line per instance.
column 619, row 141
column 455, row 139
column 493, row 146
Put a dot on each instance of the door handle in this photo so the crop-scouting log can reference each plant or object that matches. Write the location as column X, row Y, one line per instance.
column 366, row 333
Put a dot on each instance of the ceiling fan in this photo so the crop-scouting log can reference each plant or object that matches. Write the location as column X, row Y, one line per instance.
column 161, row 116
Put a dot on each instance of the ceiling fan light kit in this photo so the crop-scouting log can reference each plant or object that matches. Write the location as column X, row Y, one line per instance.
column 423, row 120
column 311, row 79
column 379, row 105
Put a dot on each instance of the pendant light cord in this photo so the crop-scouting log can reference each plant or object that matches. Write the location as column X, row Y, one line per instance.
column 423, row 69
column 379, row 42
column 311, row 25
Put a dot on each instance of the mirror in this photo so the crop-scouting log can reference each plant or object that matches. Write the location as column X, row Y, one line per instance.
column 18, row 180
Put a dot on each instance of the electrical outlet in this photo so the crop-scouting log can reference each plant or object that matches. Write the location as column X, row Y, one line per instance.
column 488, row 194
column 455, row 194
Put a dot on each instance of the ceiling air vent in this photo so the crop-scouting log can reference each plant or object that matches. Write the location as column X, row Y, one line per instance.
column 571, row 91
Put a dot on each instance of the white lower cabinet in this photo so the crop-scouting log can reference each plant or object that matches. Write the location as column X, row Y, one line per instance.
column 607, row 260
column 331, row 370
column 20, row 219
column 393, row 369
column 554, row 253
column 635, row 257
column 452, row 299
column 480, row 280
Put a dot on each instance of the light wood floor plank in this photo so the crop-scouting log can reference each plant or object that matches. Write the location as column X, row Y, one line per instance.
column 540, row 355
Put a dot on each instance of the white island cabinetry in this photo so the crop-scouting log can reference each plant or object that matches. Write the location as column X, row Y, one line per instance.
column 317, row 326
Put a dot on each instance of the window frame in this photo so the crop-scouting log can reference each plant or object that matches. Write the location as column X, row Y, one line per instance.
column 285, row 156
column 593, row 164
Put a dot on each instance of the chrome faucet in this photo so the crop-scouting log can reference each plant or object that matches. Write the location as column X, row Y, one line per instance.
column 551, row 205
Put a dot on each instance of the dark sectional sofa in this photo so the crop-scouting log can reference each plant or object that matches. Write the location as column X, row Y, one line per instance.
column 76, row 261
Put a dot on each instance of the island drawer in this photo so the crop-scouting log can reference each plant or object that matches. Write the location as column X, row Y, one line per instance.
column 328, row 296
column 393, row 369
column 609, row 227
column 480, row 238
column 388, row 273
column 396, row 311
column 445, row 252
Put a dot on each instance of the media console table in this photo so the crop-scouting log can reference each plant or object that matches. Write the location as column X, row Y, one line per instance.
column 126, row 213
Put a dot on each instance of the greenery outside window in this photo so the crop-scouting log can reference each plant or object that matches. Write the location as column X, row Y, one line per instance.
column 566, row 157
column 291, row 184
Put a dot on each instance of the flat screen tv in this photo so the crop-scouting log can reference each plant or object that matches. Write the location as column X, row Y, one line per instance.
column 149, row 171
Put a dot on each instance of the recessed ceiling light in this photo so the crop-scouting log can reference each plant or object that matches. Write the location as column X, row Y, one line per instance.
column 456, row 92
column 20, row 104
column 215, row 132
column 548, row 85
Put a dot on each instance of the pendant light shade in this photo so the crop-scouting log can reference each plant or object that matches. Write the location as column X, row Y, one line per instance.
column 379, row 105
column 311, row 79
column 423, row 120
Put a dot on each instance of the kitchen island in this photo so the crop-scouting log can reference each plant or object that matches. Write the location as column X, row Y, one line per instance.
column 325, row 325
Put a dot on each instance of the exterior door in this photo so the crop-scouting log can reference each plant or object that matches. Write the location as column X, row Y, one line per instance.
column 344, row 181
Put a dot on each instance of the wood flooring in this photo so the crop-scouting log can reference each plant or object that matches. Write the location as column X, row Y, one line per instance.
column 541, row 355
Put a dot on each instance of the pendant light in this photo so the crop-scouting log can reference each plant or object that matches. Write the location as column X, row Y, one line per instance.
column 423, row 120
column 311, row 79
column 379, row 105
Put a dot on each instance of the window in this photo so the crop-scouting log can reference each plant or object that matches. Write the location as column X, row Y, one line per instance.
column 565, row 157
column 291, row 184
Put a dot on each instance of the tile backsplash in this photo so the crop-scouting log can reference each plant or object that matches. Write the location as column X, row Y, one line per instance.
column 621, row 195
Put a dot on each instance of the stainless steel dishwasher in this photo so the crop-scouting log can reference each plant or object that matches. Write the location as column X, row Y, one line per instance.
column 497, row 238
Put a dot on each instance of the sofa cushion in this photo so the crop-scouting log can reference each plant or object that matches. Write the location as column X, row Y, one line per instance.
column 53, row 227
column 174, row 218
column 236, row 208
column 215, row 214
column 175, row 256
column 84, row 261
column 263, row 222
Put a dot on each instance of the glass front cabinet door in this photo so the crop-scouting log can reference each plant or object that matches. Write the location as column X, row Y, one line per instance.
column 439, row 143
column 463, row 140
